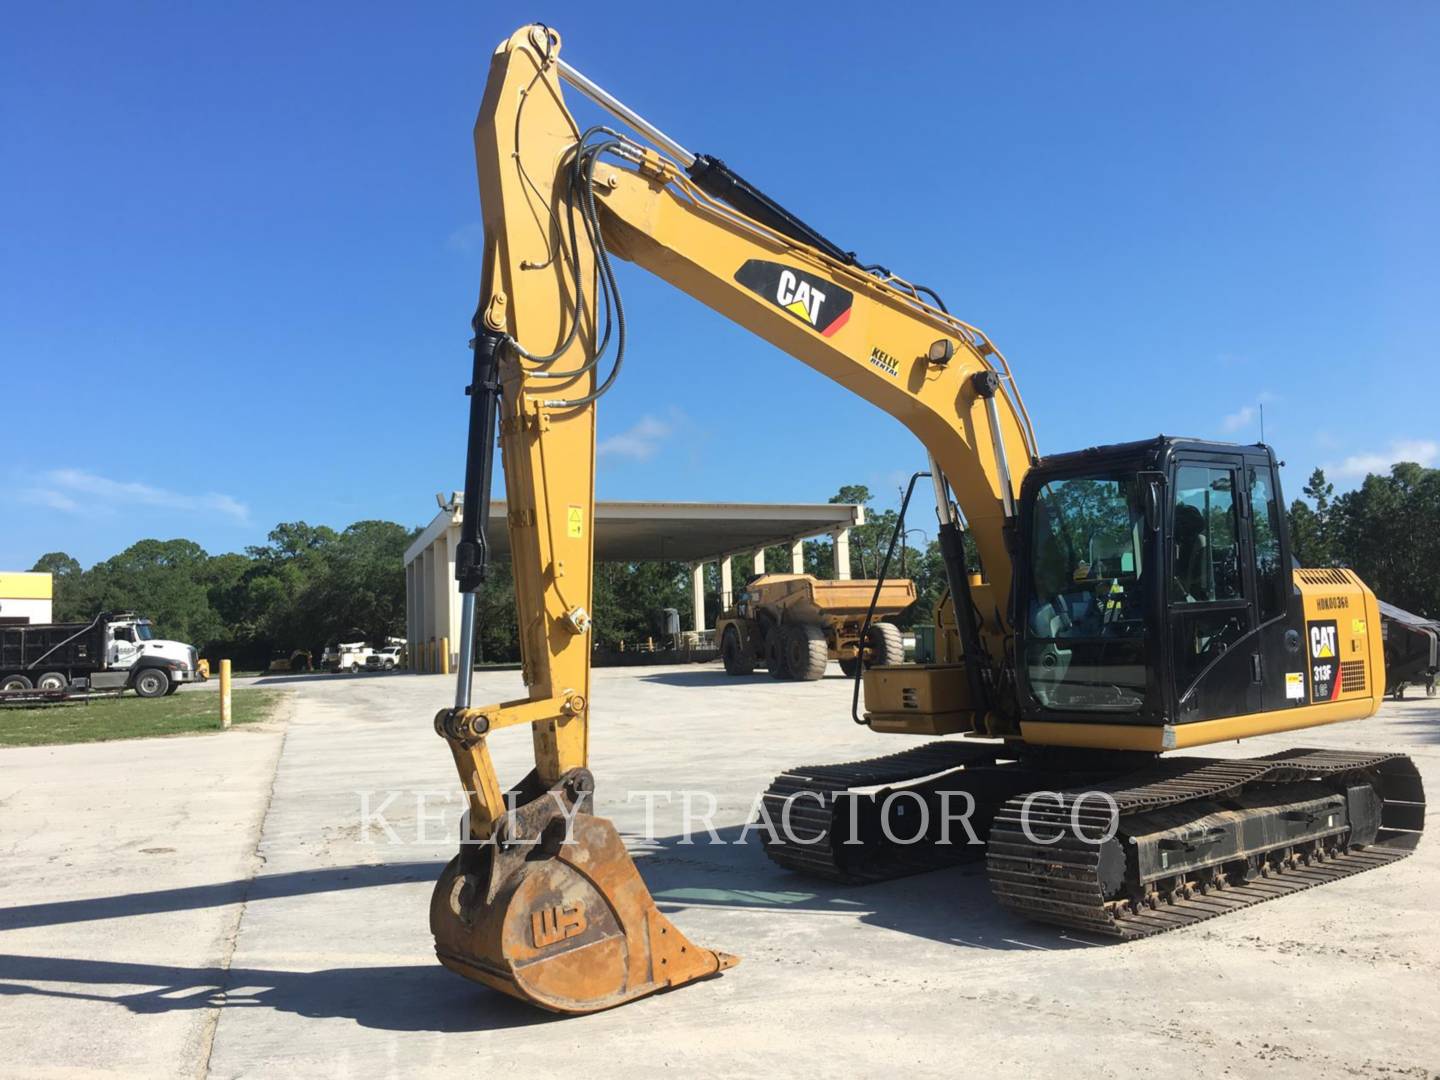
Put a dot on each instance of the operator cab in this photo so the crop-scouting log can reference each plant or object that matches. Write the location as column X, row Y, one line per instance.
column 1156, row 586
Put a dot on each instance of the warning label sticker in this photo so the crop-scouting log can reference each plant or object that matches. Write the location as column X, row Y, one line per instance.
column 575, row 522
column 1295, row 686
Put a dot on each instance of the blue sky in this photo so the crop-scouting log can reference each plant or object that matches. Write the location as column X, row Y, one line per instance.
column 239, row 244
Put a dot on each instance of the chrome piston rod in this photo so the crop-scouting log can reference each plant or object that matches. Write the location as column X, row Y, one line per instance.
column 621, row 111
column 466, row 659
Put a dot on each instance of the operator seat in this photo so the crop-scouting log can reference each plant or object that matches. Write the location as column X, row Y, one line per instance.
column 1190, row 554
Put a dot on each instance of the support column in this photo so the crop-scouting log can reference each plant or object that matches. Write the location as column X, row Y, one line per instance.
column 760, row 561
column 452, row 597
column 797, row 557
column 842, row 555
column 440, row 587
column 424, row 604
column 411, row 633
column 697, row 595
column 727, row 584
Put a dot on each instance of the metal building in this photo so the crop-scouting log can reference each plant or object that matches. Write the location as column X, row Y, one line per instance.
column 694, row 533
column 26, row 598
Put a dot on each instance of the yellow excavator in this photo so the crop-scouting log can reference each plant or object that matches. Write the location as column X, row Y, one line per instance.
column 1121, row 601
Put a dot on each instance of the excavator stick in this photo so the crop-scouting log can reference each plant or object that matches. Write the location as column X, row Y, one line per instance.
column 543, row 902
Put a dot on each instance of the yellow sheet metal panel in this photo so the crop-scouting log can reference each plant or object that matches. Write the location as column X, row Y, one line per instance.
column 26, row 586
column 1200, row 733
column 918, row 699
column 1345, row 657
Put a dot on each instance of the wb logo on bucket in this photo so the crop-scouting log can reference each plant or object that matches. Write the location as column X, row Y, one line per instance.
column 821, row 305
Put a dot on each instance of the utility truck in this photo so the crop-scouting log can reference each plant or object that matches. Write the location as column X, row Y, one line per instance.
column 346, row 656
column 114, row 651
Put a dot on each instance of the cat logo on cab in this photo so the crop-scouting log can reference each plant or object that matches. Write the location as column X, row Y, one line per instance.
column 821, row 305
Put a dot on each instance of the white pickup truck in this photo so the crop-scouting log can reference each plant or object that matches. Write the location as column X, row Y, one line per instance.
column 386, row 659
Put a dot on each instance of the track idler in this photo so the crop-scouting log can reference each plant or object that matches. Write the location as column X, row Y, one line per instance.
column 552, row 910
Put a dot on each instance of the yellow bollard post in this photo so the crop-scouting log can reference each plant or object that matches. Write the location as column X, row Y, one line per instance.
column 444, row 656
column 430, row 658
column 225, row 695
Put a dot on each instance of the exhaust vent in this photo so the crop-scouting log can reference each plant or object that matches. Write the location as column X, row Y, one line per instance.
column 1332, row 576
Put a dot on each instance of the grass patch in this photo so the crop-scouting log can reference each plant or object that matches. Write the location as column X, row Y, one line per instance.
column 193, row 709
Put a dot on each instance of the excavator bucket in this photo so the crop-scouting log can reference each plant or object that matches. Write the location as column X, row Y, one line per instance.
column 559, row 918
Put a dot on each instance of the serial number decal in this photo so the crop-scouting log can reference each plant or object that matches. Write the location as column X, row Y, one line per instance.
column 1332, row 603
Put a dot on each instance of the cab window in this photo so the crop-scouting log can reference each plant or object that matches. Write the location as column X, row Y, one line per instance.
column 1086, row 635
column 1205, row 548
column 1265, row 519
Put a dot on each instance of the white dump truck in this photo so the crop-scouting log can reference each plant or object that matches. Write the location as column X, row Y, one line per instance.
column 114, row 651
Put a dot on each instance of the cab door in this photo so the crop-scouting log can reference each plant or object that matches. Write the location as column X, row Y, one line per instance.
column 1214, row 650
column 1277, row 605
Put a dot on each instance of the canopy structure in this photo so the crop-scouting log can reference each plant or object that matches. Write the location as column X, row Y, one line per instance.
column 693, row 533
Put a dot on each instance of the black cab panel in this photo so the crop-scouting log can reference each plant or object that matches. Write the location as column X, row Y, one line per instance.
column 1155, row 585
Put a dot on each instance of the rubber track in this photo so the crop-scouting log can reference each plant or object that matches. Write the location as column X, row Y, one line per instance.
column 816, row 811
column 1059, row 883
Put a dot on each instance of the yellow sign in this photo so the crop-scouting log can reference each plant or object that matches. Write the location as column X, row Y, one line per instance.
column 575, row 523
column 26, row 586
column 1357, row 626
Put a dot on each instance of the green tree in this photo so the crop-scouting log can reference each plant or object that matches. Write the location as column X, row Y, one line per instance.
column 68, row 598
column 630, row 597
column 497, row 635
column 1388, row 531
column 1310, row 529
column 160, row 579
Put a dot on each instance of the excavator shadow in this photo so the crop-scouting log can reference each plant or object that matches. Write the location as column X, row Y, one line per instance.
column 409, row 997
column 705, row 676
column 729, row 871
column 951, row 905
column 711, row 677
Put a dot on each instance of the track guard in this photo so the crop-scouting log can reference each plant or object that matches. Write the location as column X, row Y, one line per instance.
column 565, row 923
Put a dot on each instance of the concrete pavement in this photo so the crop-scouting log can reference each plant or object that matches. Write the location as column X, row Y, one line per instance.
column 218, row 905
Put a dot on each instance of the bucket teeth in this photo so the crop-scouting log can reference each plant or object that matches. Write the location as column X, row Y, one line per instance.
column 570, row 927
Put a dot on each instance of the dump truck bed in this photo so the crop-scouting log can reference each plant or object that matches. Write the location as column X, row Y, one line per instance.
column 839, row 600
column 852, row 598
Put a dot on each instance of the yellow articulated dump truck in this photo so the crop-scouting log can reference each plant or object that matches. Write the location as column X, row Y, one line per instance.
column 794, row 624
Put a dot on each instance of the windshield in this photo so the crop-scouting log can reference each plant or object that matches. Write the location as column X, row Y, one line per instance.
column 144, row 631
column 1086, row 623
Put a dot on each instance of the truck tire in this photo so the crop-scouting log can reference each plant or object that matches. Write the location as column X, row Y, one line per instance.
column 805, row 650
column 15, row 682
column 775, row 654
column 884, row 645
column 151, row 682
column 52, row 680
column 850, row 667
column 174, row 689
column 354, row 669
column 736, row 657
